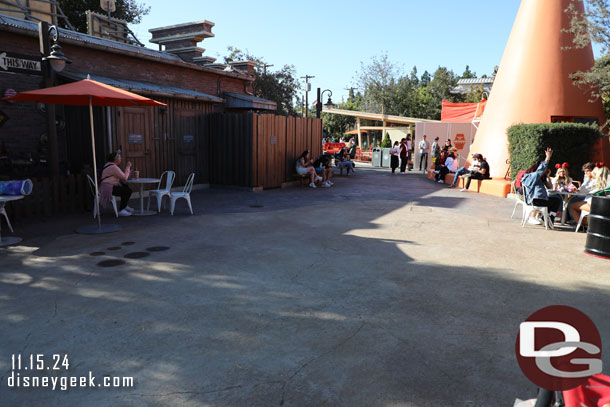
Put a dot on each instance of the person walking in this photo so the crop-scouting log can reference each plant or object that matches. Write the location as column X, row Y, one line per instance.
column 403, row 155
column 424, row 146
column 395, row 157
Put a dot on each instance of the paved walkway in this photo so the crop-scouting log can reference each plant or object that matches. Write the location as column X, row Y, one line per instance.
column 381, row 291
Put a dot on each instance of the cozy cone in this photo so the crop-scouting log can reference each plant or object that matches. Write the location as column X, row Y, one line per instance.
column 533, row 82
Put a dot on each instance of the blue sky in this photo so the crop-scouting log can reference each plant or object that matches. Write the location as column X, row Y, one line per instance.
column 330, row 40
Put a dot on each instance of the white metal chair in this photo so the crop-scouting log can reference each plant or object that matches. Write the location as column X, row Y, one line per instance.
column 95, row 201
column 160, row 193
column 519, row 200
column 528, row 209
column 186, row 194
column 3, row 212
column 583, row 214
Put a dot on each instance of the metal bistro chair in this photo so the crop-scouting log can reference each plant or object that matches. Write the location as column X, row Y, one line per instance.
column 186, row 194
column 95, row 208
column 159, row 193
column 528, row 209
column 583, row 214
column 3, row 212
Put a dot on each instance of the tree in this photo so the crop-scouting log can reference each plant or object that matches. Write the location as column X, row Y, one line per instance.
column 335, row 125
column 279, row 86
column 128, row 10
column 593, row 25
column 378, row 80
column 386, row 143
column 468, row 74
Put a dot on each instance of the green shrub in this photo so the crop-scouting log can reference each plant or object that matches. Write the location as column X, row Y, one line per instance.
column 571, row 143
column 386, row 143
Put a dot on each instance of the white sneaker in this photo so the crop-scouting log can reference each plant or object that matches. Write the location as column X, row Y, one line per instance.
column 130, row 209
column 440, row 181
column 463, row 190
column 318, row 178
column 325, row 185
column 312, row 185
column 330, row 183
column 436, row 172
column 125, row 212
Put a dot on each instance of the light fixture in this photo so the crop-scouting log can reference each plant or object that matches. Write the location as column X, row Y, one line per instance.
column 56, row 58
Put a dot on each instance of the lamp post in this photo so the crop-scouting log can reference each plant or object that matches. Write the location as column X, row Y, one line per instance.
column 53, row 60
column 328, row 104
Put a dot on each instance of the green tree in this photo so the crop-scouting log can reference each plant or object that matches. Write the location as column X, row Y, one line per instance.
column 280, row 86
column 335, row 125
column 468, row 74
column 378, row 80
column 386, row 143
column 128, row 10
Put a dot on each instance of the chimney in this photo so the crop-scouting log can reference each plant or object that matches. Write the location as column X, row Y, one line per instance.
column 182, row 39
column 246, row 67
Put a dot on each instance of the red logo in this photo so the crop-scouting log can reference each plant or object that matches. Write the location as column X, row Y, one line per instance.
column 459, row 141
column 558, row 348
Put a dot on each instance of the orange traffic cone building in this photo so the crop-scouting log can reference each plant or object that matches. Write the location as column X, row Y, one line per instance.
column 533, row 83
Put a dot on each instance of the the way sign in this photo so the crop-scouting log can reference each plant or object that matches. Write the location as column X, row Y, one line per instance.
column 11, row 62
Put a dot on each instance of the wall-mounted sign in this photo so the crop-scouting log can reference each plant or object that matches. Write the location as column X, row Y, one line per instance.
column 273, row 140
column 188, row 139
column 12, row 62
column 135, row 139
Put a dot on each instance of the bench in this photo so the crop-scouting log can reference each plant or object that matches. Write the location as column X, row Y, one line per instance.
column 495, row 186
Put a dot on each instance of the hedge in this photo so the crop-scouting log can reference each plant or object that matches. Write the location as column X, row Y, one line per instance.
column 571, row 142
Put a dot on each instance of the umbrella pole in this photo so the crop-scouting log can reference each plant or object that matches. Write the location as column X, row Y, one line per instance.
column 97, row 195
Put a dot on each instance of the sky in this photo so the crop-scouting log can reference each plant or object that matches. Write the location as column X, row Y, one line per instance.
column 330, row 40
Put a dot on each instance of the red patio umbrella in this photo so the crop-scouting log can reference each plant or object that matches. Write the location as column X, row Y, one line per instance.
column 86, row 93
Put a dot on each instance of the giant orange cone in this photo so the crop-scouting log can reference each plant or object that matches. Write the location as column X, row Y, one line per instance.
column 533, row 82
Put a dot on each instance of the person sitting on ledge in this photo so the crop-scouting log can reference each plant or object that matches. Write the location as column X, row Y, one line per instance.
column 114, row 182
column 535, row 184
column 475, row 165
column 342, row 159
column 323, row 168
column 305, row 167
column 480, row 173
column 450, row 166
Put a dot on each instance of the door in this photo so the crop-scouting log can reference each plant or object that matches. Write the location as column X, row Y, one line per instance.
column 135, row 140
column 187, row 140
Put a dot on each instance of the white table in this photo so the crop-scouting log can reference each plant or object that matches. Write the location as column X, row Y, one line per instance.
column 141, row 182
column 6, row 241
column 565, row 197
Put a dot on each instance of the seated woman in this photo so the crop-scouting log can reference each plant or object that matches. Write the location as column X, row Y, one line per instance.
column 535, row 183
column 600, row 181
column 450, row 166
column 305, row 167
column 562, row 181
column 114, row 182
column 342, row 159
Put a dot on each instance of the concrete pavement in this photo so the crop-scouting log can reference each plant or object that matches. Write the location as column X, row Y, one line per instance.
column 381, row 291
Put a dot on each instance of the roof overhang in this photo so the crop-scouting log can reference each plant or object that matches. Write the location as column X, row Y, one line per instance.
column 239, row 101
column 146, row 88
column 378, row 117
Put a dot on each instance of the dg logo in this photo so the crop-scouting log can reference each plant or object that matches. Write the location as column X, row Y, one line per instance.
column 558, row 348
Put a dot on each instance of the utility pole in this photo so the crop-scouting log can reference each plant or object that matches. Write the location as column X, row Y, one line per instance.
column 265, row 66
column 307, row 78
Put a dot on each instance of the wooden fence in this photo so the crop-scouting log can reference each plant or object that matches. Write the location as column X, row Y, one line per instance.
column 53, row 196
column 258, row 150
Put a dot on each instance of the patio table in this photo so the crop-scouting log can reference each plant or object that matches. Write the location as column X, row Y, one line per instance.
column 565, row 197
column 6, row 241
column 141, row 182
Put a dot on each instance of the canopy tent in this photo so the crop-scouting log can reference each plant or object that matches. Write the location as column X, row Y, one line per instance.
column 462, row 112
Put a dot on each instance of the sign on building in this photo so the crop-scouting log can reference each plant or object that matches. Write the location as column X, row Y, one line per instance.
column 12, row 62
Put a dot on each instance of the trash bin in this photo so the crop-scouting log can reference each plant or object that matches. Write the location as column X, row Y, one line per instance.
column 598, row 235
column 386, row 154
column 376, row 161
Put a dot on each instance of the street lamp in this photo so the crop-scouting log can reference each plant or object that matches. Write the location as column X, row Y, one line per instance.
column 53, row 60
column 329, row 104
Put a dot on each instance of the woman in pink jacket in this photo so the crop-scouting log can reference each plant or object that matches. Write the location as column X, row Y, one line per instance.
column 114, row 182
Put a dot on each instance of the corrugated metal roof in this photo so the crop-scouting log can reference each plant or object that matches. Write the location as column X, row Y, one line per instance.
column 146, row 87
column 474, row 81
column 239, row 101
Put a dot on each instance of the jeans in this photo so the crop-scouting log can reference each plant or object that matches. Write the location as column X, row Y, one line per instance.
column 459, row 172
column 421, row 158
column 403, row 164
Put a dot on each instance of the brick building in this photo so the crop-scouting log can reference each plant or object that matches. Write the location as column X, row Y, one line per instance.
column 154, row 139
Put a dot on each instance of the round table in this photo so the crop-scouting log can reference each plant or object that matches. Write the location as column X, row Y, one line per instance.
column 565, row 197
column 6, row 241
column 141, row 182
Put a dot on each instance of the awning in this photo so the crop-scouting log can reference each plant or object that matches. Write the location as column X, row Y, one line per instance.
column 462, row 112
column 147, row 88
column 239, row 101
column 354, row 132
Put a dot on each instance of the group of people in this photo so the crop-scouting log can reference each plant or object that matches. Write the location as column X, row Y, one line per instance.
column 320, row 169
column 402, row 154
column 540, row 187
column 446, row 162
